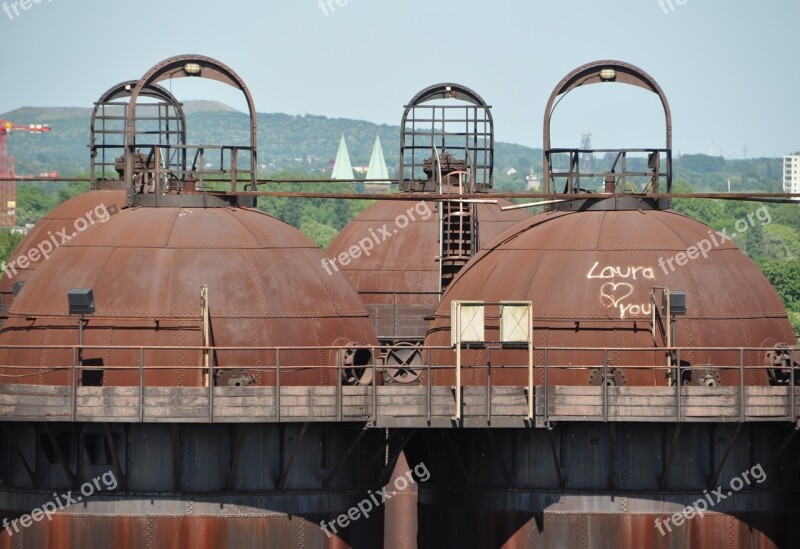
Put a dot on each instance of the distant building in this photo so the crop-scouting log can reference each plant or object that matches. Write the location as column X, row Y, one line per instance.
column 791, row 174
column 533, row 182
column 377, row 170
column 342, row 169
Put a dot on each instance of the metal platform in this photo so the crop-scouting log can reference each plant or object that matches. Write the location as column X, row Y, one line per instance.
column 398, row 406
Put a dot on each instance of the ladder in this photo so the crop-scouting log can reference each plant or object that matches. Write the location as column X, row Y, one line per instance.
column 459, row 232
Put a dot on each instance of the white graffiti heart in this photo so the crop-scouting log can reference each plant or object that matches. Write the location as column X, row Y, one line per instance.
column 612, row 294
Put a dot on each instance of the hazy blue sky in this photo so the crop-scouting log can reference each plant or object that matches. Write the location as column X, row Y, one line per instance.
column 730, row 69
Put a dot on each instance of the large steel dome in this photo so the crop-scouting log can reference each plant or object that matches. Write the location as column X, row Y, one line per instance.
column 590, row 276
column 407, row 262
column 146, row 267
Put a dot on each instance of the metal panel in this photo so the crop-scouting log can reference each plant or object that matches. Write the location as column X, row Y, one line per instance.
column 469, row 317
column 515, row 322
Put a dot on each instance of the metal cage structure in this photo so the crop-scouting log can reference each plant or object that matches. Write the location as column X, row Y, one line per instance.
column 655, row 169
column 464, row 130
column 160, row 124
column 149, row 177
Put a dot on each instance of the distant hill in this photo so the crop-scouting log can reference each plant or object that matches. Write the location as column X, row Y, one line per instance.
column 191, row 107
column 306, row 144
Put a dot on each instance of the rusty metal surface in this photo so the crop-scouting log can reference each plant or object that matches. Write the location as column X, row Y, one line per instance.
column 164, row 532
column 400, row 515
column 60, row 219
column 590, row 274
column 552, row 530
column 266, row 284
column 406, row 262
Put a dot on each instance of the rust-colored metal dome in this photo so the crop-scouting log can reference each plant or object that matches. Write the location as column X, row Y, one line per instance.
column 146, row 267
column 58, row 224
column 590, row 276
column 406, row 260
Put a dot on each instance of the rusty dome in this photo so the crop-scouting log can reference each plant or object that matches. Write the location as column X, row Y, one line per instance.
column 262, row 280
column 590, row 276
column 417, row 247
column 166, row 123
column 146, row 267
column 406, row 261
column 598, row 270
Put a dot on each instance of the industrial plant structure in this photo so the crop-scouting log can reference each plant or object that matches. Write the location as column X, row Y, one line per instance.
column 565, row 379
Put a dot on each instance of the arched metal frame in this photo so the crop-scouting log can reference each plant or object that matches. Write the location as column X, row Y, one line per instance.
column 184, row 66
column 469, row 138
column 601, row 72
column 169, row 112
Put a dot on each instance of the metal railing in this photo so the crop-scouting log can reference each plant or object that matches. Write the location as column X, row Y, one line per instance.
column 657, row 167
column 287, row 362
column 203, row 161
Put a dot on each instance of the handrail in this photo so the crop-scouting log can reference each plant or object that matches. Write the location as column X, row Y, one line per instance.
column 283, row 364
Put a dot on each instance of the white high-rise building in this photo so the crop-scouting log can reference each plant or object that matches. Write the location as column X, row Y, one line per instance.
column 791, row 174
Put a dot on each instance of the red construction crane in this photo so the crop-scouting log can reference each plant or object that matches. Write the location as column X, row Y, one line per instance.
column 8, row 189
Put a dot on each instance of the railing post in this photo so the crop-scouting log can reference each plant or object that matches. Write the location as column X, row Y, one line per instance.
column 339, row 411
column 742, row 414
column 488, row 386
column 374, row 387
column 457, row 415
column 791, row 388
column 141, row 385
column 605, row 385
column 546, row 393
column 234, row 167
column 278, row 385
column 531, row 411
column 430, row 381
column 678, row 384
column 211, row 390
column 74, row 385
column 201, row 178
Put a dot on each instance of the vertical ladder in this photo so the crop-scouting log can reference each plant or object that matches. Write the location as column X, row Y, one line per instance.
column 459, row 233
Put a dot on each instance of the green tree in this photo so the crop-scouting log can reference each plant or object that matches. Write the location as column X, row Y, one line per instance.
column 8, row 242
